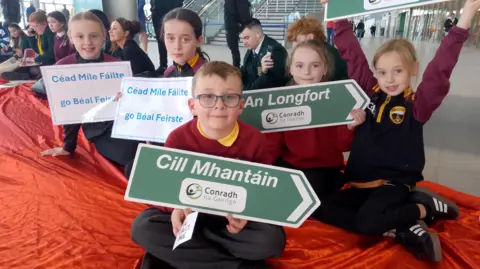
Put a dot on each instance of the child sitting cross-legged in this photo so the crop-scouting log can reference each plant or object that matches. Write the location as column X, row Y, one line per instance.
column 218, row 242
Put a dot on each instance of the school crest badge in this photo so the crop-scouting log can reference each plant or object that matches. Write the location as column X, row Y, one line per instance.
column 397, row 114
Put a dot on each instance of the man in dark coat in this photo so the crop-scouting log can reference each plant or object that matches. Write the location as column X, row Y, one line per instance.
column 236, row 13
column 11, row 12
column 259, row 44
column 159, row 9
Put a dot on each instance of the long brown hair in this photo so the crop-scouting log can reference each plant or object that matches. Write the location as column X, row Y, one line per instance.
column 325, row 56
column 17, row 41
column 133, row 28
column 190, row 17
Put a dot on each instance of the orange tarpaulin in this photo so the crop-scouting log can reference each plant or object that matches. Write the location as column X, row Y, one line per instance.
column 69, row 212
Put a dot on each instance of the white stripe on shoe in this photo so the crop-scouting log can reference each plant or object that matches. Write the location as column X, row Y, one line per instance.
column 414, row 227
column 436, row 204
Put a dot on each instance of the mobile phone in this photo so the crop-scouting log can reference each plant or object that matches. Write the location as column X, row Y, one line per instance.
column 270, row 50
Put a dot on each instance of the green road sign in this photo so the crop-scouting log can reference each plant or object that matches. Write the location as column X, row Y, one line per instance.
column 215, row 185
column 303, row 107
column 338, row 9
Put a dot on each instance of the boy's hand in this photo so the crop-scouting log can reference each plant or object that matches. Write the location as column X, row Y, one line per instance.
column 235, row 225
column 324, row 2
column 267, row 63
column 469, row 10
column 55, row 152
column 177, row 218
column 359, row 116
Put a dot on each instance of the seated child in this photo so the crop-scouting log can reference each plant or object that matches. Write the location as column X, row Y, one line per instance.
column 182, row 34
column 387, row 156
column 118, row 151
column 59, row 26
column 217, row 242
column 317, row 152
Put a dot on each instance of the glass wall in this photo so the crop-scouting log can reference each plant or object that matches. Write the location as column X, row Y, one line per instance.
column 426, row 23
column 48, row 6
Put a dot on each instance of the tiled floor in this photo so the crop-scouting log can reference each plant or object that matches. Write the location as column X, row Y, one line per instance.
column 452, row 136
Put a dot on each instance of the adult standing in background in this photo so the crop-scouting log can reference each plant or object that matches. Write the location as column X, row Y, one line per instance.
column 450, row 22
column 373, row 30
column 360, row 30
column 330, row 32
column 66, row 13
column 236, row 14
column 11, row 12
column 142, row 19
column 30, row 10
column 159, row 9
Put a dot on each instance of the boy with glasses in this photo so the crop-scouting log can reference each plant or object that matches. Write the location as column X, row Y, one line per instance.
column 218, row 242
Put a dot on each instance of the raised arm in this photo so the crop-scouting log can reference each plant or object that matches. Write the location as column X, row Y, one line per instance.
column 351, row 52
column 435, row 83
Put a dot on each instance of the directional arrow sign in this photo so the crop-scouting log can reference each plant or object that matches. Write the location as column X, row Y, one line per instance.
column 303, row 107
column 215, row 185
column 338, row 9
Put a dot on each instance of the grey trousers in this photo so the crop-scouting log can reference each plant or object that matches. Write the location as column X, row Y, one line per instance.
column 211, row 246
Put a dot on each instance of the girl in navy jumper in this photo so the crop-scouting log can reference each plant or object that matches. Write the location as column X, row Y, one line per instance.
column 387, row 156
column 182, row 34
column 88, row 35
column 58, row 24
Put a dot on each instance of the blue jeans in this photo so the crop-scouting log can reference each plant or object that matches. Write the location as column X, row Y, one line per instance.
column 359, row 34
column 330, row 35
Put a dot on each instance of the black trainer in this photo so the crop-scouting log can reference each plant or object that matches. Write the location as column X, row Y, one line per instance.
column 438, row 207
column 393, row 233
column 421, row 242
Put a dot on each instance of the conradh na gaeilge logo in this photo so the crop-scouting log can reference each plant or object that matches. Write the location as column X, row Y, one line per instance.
column 194, row 191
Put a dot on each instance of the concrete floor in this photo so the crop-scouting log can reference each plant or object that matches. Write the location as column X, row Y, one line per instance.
column 452, row 135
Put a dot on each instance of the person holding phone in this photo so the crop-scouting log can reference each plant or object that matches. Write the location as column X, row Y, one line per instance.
column 259, row 45
column 41, row 40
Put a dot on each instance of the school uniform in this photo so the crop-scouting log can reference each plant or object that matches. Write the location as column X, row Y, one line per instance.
column 43, row 45
column 174, row 71
column 389, row 145
column 62, row 47
column 212, row 246
column 317, row 152
column 119, row 151
column 252, row 75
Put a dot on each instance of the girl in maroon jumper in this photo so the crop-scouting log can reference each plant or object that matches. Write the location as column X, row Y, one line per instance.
column 58, row 25
column 387, row 156
column 318, row 152
column 88, row 36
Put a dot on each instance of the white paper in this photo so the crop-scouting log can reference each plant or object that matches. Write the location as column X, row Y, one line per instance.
column 151, row 108
column 186, row 232
column 81, row 93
